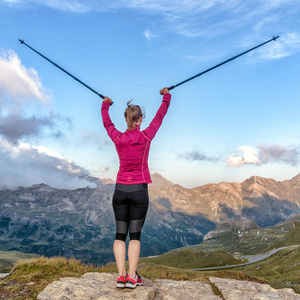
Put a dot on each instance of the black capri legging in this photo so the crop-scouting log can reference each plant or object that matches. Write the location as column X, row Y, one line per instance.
column 130, row 204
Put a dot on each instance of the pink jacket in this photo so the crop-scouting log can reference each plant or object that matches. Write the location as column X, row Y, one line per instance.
column 133, row 145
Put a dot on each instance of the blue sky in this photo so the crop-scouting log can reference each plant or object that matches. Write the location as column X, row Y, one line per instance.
column 239, row 120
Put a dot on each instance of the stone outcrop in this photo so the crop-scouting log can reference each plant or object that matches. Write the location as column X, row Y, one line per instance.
column 243, row 290
column 96, row 286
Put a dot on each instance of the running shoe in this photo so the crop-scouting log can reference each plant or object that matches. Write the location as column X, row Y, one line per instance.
column 133, row 282
column 121, row 282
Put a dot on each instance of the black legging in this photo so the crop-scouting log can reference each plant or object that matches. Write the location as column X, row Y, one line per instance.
column 130, row 203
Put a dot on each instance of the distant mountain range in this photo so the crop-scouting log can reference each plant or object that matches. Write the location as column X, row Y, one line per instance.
column 80, row 223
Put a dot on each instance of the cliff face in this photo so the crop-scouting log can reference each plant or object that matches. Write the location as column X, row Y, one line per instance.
column 80, row 223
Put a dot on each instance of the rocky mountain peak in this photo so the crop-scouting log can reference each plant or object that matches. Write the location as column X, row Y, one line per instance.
column 295, row 182
column 42, row 187
column 159, row 181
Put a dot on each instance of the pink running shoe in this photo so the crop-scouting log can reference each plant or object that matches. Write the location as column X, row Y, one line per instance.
column 121, row 282
column 133, row 282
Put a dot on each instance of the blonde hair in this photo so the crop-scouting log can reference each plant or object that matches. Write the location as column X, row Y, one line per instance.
column 132, row 114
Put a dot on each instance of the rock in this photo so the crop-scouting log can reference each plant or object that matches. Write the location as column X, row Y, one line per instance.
column 94, row 286
column 183, row 290
column 244, row 290
column 102, row 286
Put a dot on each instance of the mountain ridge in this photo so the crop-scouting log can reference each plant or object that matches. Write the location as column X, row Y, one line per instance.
column 80, row 223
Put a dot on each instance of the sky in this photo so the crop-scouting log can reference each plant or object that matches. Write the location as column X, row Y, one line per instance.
column 234, row 122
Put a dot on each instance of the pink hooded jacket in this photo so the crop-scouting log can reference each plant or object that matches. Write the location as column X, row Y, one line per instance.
column 133, row 145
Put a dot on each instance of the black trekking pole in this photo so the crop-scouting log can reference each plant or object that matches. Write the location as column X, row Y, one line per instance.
column 222, row 63
column 56, row 65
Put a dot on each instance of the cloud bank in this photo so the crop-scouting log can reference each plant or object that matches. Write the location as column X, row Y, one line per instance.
column 25, row 165
column 16, row 81
column 22, row 99
column 189, row 17
column 196, row 155
column 25, row 113
column 264, row 155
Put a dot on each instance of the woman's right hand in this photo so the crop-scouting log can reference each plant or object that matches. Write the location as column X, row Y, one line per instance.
column 164, row 91
column 108, row 100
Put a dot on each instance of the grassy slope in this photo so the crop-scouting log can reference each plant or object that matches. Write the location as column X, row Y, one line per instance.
column 9, row 258
column 30, row 277
column 281, row 270
column 250, row 243
column 192, row 258
column 256, row 240
column 291, row 238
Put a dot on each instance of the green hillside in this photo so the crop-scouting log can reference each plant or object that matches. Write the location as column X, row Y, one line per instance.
column 281, row 270
column 291, row 238
column 9, row 258
column 192, row 258
column 255, row 240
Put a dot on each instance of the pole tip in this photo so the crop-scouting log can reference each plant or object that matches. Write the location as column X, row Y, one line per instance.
column 21, row 41
column 275, row 37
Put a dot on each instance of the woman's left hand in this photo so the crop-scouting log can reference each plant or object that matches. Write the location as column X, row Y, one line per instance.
column 106, row 99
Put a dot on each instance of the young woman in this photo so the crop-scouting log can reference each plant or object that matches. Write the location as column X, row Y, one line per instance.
column 130, row 199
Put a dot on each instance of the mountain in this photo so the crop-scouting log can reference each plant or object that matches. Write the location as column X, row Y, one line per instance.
column 159, row 181
column 246, row 237
column 261, row 200
column 238, row 227
column 80, row 223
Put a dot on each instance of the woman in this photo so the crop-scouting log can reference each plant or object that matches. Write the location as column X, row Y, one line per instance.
column 130, row 199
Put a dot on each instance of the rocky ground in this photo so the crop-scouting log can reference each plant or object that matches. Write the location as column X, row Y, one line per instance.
column 96, row 286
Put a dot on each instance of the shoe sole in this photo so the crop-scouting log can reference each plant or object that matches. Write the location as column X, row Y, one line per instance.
column 131, row 285
column 121, row 285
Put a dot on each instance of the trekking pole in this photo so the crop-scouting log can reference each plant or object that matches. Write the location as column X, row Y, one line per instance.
column 56, row 65
column 222, row 63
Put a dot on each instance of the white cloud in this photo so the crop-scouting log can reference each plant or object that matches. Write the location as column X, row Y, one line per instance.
column 16, row 81
column 21, row 94
column 190, row 17
column 250, row 156
column 196, row 155
column 67, row 5
column 286, row 45
column 105, row 168
column 149, row 35
column 25, row 165
column 265, row 154
column 288, row 155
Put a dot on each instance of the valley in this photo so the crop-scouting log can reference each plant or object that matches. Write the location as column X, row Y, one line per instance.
column 80, row 223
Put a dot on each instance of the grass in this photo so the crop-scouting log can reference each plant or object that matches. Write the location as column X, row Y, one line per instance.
column 291, row 238
column 30, row 276
column 9, row 258
column 251, row 242
column 281, row 270
column 193, row 258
